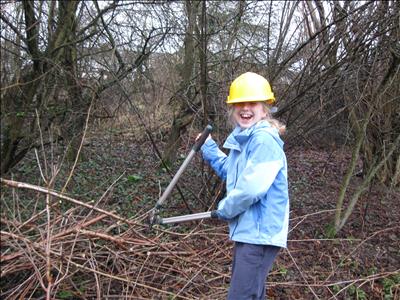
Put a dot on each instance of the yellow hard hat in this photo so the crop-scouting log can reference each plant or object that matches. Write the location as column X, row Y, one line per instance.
column 250, row 87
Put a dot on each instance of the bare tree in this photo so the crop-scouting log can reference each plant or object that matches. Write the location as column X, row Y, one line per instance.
column 374, row 111
column 59, row 70
column 185, row 97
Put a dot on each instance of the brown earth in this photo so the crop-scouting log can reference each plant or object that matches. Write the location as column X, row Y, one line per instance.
column 192, row 260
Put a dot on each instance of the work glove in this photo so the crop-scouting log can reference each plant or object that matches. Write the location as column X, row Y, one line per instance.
column 217, row 215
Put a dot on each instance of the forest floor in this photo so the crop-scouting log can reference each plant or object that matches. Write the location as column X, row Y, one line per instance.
column 192, row 260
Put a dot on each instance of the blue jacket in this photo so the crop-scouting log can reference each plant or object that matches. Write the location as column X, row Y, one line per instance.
column 257, row 200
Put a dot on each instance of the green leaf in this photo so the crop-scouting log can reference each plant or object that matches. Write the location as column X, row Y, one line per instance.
column 134, row 178
column 65, row 294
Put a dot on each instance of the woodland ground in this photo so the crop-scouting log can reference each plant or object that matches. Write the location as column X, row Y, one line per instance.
column 192, row 260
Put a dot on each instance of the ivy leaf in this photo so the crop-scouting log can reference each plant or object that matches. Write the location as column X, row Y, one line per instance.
column 134, row 178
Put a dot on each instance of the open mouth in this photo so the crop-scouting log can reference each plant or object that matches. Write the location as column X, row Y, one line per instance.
column 246, row 116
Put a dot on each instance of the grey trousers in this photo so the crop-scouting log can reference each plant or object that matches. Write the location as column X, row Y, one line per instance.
column 250, row 268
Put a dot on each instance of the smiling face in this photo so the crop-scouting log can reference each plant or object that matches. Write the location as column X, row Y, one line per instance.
column 246, row 114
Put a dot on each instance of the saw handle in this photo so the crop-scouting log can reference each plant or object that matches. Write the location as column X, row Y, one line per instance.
column 200, row 141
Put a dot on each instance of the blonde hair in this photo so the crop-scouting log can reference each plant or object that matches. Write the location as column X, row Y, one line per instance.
column 272, row 121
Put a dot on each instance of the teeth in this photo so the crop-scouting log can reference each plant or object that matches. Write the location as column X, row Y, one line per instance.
column 245, row 115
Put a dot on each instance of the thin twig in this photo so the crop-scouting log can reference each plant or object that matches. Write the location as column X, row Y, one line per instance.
column 80, row 147
column 23, row 185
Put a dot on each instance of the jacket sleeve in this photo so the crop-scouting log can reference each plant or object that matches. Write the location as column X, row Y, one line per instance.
column 263, row 164
column 215, row 157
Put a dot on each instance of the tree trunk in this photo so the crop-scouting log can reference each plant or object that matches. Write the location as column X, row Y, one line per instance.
column 203, row 61
column 186, row 94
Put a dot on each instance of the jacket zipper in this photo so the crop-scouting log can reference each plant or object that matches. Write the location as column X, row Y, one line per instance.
column 236, row 179
column 258, row 220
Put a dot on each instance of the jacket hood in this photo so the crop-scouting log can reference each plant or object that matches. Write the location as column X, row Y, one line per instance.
column 240, row 136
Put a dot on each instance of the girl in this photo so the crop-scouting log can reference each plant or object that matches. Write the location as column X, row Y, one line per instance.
column 256, row 205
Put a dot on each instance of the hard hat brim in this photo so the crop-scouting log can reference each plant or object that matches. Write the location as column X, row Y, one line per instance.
column 249, row 99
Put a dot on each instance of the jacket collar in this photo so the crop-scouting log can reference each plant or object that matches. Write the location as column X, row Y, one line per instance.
column 239, row 136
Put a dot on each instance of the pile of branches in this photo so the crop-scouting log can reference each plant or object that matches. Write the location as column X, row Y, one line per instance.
column 88, row 252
